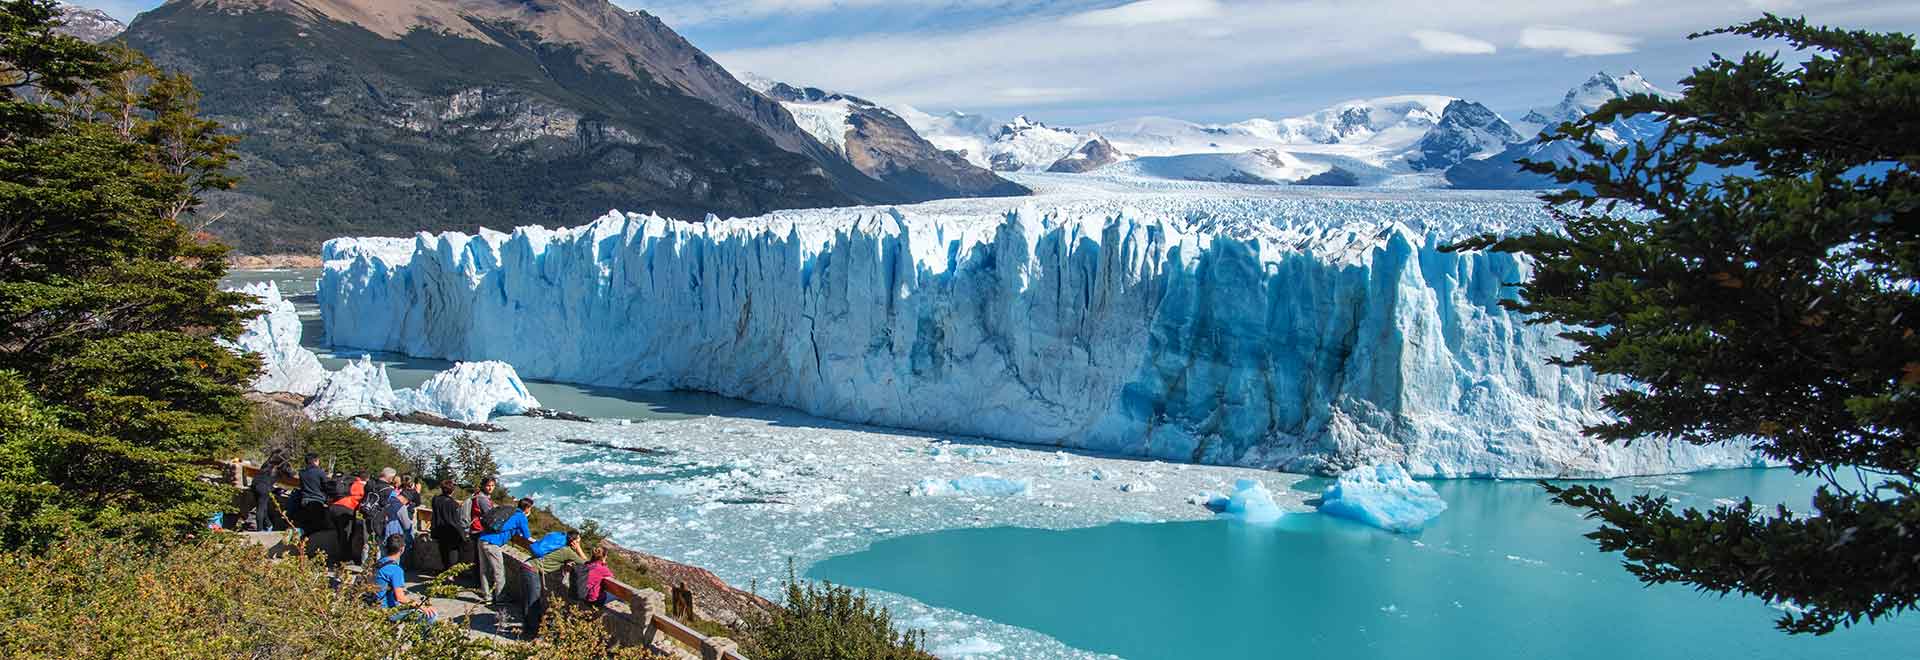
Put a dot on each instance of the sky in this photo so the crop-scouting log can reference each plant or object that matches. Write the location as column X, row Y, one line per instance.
column 1085, row 61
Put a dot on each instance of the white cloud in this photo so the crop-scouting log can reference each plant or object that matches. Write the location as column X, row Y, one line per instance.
column 1452, row 43
column 1147, row 12
column 1575, row 42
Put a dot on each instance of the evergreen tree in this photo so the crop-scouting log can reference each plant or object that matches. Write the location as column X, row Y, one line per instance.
column 112, row 381
column 1756, row 271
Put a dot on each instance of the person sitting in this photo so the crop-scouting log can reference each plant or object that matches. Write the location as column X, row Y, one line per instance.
column 533, row 604
column 595, row 578
column 390, row 583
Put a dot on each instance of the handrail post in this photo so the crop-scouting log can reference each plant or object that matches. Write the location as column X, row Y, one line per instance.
column 719, row 648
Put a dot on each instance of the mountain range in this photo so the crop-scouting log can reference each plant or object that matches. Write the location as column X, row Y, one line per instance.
column 395, row 116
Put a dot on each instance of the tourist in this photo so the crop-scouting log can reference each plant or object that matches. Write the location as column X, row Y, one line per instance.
column 411, row 488
column 449, row 525
column 390, row 581
column 533, row 602
column 478, row 505
column 501, row 528
column 351, row 535
column 399, row 519
column 592, row 578
column 312, row 515
column 373, row 509
column 263, row 487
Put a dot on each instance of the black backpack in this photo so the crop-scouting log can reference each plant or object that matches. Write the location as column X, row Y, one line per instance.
column 338, row 487
column 497, row 517
column 373, row 508
column 578, row 578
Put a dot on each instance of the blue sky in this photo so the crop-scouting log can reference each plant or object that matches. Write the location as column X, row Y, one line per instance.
column 1084, row 61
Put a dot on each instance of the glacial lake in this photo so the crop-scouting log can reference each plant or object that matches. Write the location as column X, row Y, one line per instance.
column 1502, row 574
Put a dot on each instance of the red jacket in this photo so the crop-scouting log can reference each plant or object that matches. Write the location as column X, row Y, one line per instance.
column 597, row 574
column 352, row 500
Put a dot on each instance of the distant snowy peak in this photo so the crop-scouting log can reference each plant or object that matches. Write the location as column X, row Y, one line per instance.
column 1466, row 130
column 1356, row 121
column 1589, row 96
column 90, row 25
column 1027, row 145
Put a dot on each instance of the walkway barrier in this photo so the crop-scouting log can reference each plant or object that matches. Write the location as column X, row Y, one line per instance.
column 647, row 623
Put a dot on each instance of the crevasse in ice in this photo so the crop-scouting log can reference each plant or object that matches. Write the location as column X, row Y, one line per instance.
column 1292, row 332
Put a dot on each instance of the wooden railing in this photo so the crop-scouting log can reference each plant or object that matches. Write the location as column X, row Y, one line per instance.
column 648, row 605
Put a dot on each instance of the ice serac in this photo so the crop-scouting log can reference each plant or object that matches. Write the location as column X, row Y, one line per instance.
column 1383, row 496
column 1283, row 330
column 274, row 335
column 471, row 392
column 359, row 388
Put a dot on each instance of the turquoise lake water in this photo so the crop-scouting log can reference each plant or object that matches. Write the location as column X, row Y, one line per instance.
column 1502, row 574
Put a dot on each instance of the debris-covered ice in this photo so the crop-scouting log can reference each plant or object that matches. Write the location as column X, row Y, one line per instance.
column 1383, row 496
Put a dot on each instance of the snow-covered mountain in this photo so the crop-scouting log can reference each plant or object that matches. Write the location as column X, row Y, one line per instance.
column 1466, row 131
column 91, row 25
column 1093, row 154
column 882, row 145
column 1584, row 99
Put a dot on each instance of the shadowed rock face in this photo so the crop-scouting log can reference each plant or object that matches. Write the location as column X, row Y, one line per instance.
column 1095, row 154
column 91, row 25
column 1466, row 129
column 882, row 145
column 396, row 116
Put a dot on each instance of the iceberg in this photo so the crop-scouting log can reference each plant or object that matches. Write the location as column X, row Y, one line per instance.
column 979, row 485
column 1307, row 331
column 359, row 388
column 471, row 392
column 1383, row 496
column 1251, row 502
column 274, row 335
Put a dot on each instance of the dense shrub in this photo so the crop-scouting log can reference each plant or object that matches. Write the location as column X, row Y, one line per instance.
column 825, row 621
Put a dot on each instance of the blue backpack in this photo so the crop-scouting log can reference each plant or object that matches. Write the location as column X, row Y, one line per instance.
column 548, row 543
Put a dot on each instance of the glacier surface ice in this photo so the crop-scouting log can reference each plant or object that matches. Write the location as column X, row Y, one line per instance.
column 361, row 387
column 978, row 485
column 1305, row 330
column 1383, row 496
column 285, row 365
column 471, row 392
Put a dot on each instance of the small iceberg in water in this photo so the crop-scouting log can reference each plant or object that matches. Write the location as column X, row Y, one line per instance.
column 1250, row 502
column 1383, row 496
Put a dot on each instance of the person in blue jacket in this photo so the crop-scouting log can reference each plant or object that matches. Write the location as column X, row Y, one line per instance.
column 493, row 550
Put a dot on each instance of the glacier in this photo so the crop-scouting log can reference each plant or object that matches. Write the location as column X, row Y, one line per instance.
column 471, row 392
column 1383, row 496
column 274, row 335
column 1293, row 329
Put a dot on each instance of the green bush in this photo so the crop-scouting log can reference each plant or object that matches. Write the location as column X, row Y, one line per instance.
column 825, row 621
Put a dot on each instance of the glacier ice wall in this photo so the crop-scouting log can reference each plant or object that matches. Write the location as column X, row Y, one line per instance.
column 1305, row 334
column 274, row 335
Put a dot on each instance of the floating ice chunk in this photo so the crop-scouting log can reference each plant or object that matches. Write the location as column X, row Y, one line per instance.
column 1139, row 487
column 1383, row 496
column 471, row 392
column 285, row 365
column 982, row 485
column 360, row 388
column 1251, row 502
column 967, row 649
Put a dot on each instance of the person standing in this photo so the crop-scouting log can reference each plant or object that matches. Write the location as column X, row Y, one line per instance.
column 263, row 483
column 351, row 535
column 493, row 573
column 312, row 516
column 533, row 602
column 399, row 519
column 449, row 525
column 478, row 505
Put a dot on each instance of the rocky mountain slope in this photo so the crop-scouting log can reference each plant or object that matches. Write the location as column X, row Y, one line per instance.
column 396, row 116
column 882, row 145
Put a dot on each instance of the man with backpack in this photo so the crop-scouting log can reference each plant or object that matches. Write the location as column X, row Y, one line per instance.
column 449, row 525
column 312, row 515
column 548, row 559
column 347, row 492
column 502, row 524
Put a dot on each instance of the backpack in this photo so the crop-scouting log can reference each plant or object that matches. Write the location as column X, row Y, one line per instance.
column 339, row 487
column 476, row 519
column 496, row 518
column 548, row 543
column 373, row 508
column 578, row 578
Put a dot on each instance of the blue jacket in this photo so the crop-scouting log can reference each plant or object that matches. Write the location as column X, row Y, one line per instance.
column 516, row 526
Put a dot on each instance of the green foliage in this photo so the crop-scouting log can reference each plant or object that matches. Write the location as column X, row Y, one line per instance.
column 109, row 308
column 824, row 621
column 342, row 446
column 472, row 461
column 1754, row 271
